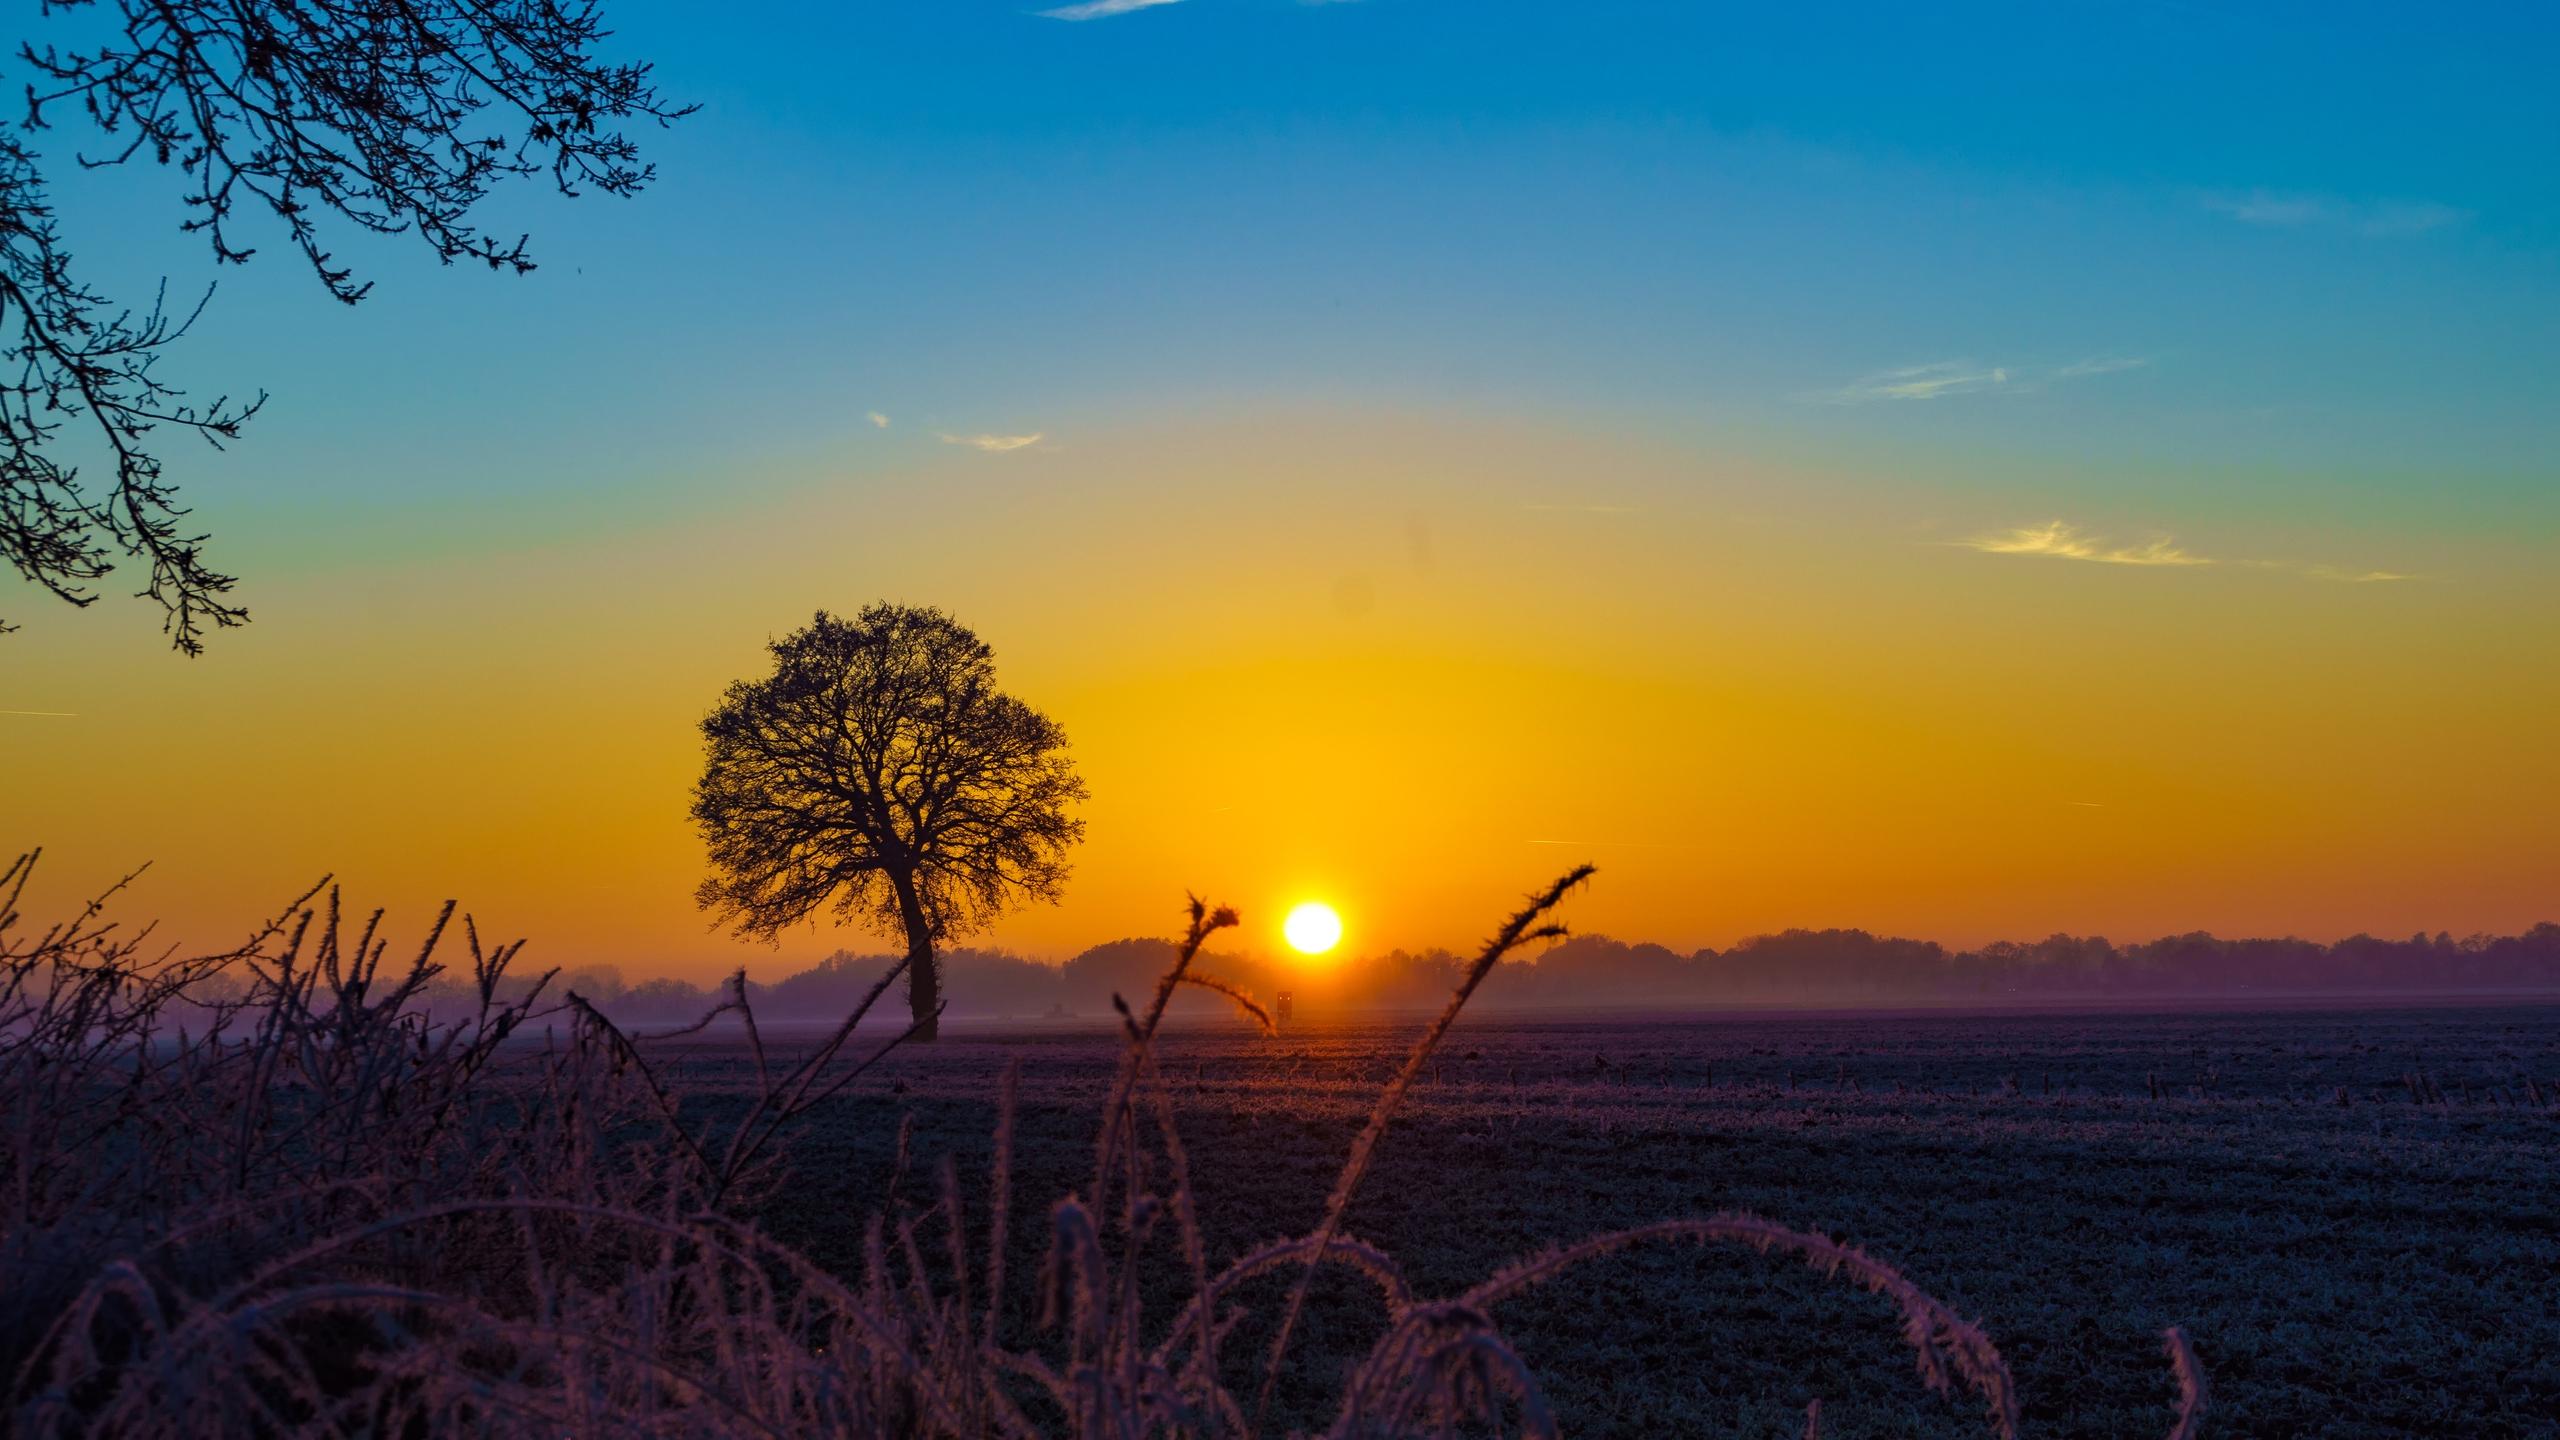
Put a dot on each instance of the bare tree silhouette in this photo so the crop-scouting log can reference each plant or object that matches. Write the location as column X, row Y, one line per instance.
column 369, row 112
column 879, row 771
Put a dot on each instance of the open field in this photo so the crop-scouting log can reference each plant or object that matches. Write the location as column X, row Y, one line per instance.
column 2074, row 1181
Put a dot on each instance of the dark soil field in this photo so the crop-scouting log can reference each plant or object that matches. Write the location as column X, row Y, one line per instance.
column 2354, row 1213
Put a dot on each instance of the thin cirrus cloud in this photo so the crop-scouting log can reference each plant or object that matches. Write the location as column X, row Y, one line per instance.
column 2064, row 541
column 993, row 444
column 1101, row 9
column 2283, row 210
column 2061, row 540
column 1922, row 382
column 878, row 420
column 2100, row 365
column 1946, row 379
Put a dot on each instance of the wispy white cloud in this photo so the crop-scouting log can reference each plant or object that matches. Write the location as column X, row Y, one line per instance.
column 1582, row 509
column 1101, row 9
column 992, row 444
column 2409, row 217
column 1948, row 378
column 2101, row 365
column 878, row 420
column 2260, row 207
column 2370, row 217
column 2062, row 540
column 2059, row 540
column 1922, row 382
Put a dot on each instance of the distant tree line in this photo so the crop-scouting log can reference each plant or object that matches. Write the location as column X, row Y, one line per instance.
column 1843, row 967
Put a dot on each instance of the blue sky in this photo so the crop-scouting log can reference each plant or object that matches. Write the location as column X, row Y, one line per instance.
column 2255, row 252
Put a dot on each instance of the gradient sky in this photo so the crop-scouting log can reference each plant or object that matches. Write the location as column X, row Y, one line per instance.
column 1968, row 471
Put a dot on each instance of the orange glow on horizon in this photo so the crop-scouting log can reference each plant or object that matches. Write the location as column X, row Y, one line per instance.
column 1374, row 663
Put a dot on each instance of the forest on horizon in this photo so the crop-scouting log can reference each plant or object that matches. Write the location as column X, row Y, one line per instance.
column 1836, row 966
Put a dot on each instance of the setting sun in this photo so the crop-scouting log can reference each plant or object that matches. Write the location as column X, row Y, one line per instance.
column 1312, row 928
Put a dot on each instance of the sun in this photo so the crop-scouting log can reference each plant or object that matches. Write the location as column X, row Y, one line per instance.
column 1312, row 928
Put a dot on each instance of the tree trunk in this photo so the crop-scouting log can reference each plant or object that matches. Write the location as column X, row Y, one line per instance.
column 924, row 973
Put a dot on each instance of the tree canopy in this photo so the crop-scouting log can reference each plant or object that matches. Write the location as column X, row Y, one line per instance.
column 390, row 117
column 878, row 773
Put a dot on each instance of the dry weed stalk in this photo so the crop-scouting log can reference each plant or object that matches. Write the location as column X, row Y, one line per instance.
column 2191, row 1386
column 1950, row 1348
column 1526, row 925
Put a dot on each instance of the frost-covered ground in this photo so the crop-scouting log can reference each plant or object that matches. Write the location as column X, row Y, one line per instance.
column 2381, row 1266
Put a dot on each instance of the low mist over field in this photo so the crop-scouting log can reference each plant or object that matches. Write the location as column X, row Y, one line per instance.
column 1799, row 968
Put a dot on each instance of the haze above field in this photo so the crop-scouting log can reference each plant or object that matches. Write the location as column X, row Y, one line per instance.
column 1413, row 447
